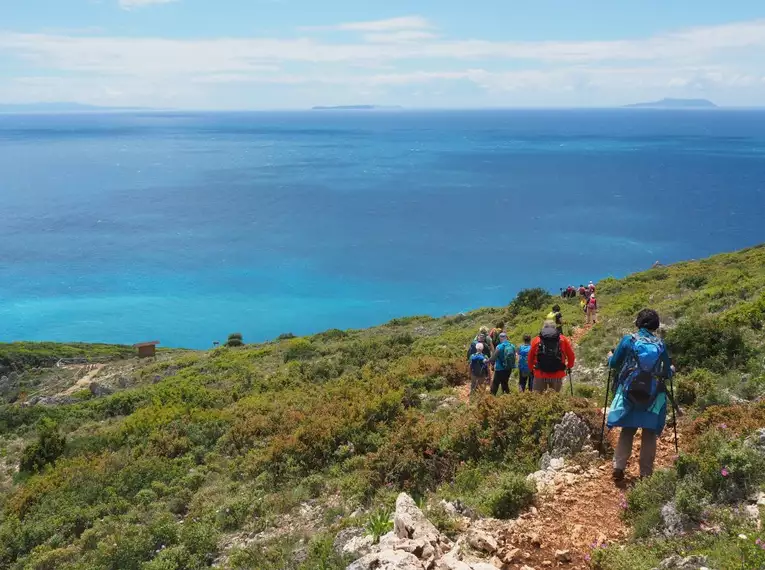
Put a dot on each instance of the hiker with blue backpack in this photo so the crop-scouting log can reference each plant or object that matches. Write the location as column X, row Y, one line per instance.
column 642, row 365
column 479, row 368
column 504, row 364
column 524, row 372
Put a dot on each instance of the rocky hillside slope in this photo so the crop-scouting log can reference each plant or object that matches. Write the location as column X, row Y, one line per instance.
column 294, row 453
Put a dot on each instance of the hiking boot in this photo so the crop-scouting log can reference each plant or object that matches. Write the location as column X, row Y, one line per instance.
column 618, row 474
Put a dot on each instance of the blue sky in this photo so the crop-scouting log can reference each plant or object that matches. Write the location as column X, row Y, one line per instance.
column 265, row 54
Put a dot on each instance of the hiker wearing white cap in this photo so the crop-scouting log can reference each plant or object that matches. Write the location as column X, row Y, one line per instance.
column 504, row 364
column 592, row 310
column 479, row 368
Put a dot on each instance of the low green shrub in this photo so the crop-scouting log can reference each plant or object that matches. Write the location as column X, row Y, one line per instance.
column 751, row 314
column 730, row 469
column 299, row 349
column 443, row 521
column 584, row 390
column 696, row 281
column 685, row 391
column 718, row 470
column 708, row 343
column 751, row 388
column 287, row 553
column 50, row 445
column 738, row 420
column 645, row 500
column 512, row 494
column 701, row 388
column 691, row 498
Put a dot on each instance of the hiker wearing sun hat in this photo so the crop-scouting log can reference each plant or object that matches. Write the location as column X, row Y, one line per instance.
column 479, row 368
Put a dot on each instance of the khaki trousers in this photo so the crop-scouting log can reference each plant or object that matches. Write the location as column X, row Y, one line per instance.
column 647, row 450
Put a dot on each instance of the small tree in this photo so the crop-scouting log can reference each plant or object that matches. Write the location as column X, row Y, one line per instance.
column 235, row 339
column 49, row 446
column 533, row 299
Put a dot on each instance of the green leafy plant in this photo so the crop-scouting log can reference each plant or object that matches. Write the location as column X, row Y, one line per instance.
column 379, row 523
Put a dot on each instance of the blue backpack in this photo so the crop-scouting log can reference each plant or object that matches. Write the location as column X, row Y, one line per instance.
column 639, row 375
column 478, row 365
column 523, row 358
column 508, row 356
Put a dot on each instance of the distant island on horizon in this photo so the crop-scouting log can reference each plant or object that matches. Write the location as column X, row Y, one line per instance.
column 356, row 107
column 675, row 104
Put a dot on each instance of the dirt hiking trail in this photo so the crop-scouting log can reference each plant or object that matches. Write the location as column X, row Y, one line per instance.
column 580, row 517
column 91, row 371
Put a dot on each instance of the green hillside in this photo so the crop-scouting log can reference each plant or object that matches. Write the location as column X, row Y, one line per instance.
column 256, row 457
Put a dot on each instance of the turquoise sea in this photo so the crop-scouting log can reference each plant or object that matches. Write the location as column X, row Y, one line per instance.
column 184, row 227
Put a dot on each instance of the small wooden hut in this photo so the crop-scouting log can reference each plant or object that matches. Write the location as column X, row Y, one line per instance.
column 147, row 349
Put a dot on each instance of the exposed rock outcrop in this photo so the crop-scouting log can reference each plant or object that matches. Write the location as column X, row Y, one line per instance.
column 353, row 542
column 416, row 544
column 679, row 563
column 570, row 436
column 387, row 560
column 98, row 390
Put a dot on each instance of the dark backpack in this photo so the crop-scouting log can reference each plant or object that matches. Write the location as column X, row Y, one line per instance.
column 549, row 355
column 639, row 375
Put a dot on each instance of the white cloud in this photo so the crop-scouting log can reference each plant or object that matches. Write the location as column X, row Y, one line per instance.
column 130, row 4
column 387, row 55
column 401, row 36
column 389, row 25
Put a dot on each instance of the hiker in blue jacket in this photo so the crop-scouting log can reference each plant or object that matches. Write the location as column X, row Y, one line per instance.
column 642, row 365
column 525, row 375
column 504, row 364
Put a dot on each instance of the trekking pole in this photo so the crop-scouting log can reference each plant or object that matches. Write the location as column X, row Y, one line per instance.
column 571, row 382
column 605, row 408
column 674, row 416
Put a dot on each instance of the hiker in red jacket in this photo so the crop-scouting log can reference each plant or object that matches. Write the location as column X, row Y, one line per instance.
column 550, row 357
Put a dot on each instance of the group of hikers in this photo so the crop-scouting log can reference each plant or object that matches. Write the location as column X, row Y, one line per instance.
column 639, row 366
column 542, row 362
column 587, row 300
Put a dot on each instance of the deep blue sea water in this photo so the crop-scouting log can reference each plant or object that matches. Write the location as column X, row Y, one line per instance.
column 184, row 227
